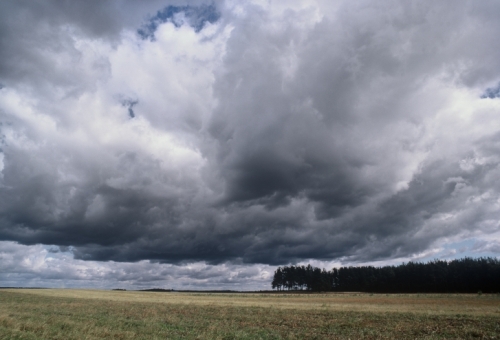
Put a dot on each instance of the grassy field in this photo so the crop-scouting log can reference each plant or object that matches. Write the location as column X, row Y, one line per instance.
column 92, row 314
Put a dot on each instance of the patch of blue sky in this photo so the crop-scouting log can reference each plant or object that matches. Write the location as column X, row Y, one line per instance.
column 195, row 16
column 54, row 251
column 458, row 250
column 492, row 92
column 130, row 103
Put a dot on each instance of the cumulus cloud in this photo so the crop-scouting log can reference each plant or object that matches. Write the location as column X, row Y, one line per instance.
column 255, row 134
column 47, row 266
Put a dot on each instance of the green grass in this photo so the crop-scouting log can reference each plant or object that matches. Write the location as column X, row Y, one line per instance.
column 110, row 315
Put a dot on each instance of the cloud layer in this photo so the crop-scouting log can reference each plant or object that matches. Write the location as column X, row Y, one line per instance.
column 249, row 134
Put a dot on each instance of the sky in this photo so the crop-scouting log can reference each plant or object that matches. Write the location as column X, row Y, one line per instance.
column 200, row 144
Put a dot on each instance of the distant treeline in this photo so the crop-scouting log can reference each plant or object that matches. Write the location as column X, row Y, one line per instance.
column 467, row 275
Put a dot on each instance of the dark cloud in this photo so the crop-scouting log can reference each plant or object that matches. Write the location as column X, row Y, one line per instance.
column 32, row 33
column 271, row 136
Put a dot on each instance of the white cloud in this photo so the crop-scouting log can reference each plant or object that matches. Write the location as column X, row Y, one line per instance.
column 44, row 266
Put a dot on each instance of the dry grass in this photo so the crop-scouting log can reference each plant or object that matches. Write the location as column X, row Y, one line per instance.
column 92, row 314
column 415, row 303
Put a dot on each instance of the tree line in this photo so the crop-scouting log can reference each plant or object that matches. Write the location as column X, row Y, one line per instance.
column 466, row 275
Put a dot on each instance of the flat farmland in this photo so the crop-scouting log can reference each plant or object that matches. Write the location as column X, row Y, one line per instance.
column 95, row 314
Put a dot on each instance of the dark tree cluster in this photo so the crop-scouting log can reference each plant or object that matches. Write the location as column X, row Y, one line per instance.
column 467, row 275
column 302, row 278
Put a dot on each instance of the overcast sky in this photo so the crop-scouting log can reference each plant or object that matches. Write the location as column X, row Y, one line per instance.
column 200, row 144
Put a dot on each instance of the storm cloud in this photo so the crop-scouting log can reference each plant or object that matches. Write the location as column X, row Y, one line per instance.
column 231, row 135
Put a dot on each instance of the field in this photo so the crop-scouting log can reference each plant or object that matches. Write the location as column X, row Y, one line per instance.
column 93, row 314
